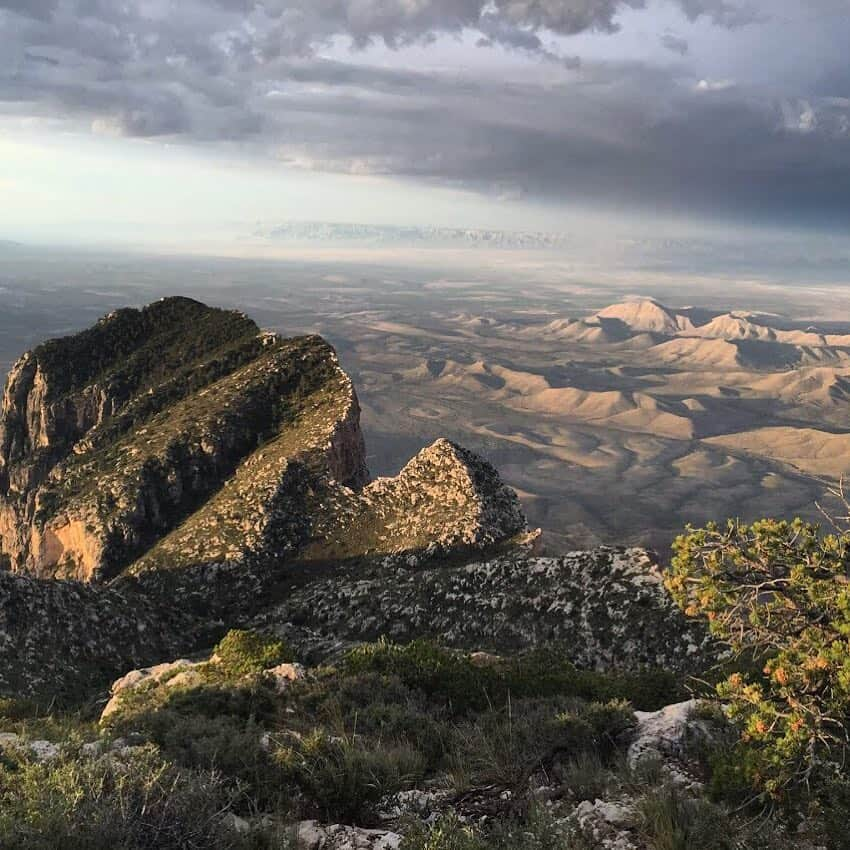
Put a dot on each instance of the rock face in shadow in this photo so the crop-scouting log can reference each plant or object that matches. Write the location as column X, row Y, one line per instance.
column 607, row 608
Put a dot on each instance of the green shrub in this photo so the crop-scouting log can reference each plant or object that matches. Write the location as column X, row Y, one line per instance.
column 246, row 653
column 777, row 594
column 343, row 778
column 447, row 834
column 585, row 776
column 507, row 746
column 141, row 802
column 671, row 821
column 466, row 687
column 18, row 709
column 539, row 831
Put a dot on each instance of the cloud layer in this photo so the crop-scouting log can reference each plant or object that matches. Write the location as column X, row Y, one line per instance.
column 252, row 73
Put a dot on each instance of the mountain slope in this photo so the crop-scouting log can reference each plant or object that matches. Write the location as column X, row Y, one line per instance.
column 180, row 435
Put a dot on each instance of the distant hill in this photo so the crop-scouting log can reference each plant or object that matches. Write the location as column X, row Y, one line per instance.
column 646, row 315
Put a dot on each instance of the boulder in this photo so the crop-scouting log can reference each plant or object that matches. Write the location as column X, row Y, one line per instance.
column 311, row 835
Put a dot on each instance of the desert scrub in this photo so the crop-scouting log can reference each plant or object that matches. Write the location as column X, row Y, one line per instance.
column 448, row 833
column 139, row 802
column 342, row 779
column 777, row 594
column 509, row 745
column 376, row 706
column 218, row 719
column 231, row 684
column 33, row 721
column 245, row 653
column 541, row 830
column 669, row 820
column 468, row 687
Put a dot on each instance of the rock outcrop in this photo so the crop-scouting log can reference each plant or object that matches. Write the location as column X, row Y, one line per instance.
column 110, row 438
column 445, row 500
column 192, row 461
column 608, row 608
column 181, row 436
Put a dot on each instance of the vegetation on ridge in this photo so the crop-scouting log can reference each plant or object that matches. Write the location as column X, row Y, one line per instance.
column 132, row 349
column 777, row 594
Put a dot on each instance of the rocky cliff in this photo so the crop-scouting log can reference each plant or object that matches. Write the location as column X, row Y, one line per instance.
column 180, row 435
column 194, row 461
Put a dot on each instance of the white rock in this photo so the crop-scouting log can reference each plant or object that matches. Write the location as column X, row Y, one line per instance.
column 136, row 678
column 662, row 736
column 38, row 750
column 311, row 835
column 414, row 802
column 185, row 679
column 9, row 740
column 661, row 733
column 239, row 825
column 607, row 824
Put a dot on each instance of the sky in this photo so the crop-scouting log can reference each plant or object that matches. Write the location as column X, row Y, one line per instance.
column 168, row 122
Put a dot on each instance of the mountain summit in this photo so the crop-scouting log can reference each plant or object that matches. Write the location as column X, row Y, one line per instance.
column 181, row 435
column 646, row 315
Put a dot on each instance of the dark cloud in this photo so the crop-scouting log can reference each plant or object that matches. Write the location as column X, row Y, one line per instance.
column 567, row 18
column 675, row 43
column 249, row 72
column 726, row 13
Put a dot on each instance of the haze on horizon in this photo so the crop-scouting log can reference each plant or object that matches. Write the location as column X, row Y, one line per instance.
column 161, row 125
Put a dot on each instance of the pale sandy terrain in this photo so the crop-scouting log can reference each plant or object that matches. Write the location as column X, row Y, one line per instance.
column 806, row 449
column 628, row 423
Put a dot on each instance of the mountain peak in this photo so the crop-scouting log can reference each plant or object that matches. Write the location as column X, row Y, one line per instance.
column 181, row 435
column 646, row 315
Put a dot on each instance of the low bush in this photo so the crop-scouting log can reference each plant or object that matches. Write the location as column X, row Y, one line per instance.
column 467, row 687
column 141, row 802
column 777, row 594
column 669, row 820
column 246, row 653
column 541, row 830
column 507, row 746
column 343, row 778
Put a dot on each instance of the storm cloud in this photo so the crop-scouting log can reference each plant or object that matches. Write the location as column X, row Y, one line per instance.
column 270, row 77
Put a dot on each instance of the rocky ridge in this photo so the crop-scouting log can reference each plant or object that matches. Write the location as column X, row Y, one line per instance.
column 192, row 461
column 230, row 446
column 608, row 608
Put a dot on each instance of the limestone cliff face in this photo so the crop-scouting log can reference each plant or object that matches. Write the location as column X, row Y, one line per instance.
column 180, row 436
column 110, row 439
column 445, row 500
column 37, row 426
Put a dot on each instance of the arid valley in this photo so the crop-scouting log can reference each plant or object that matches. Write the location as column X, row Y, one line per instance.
column 619, row 414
